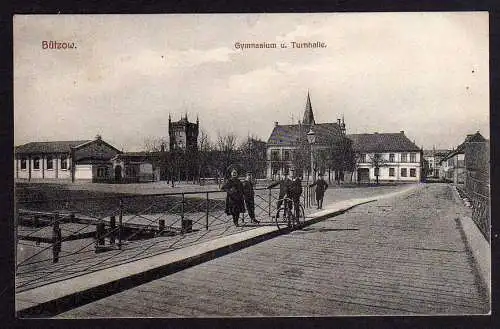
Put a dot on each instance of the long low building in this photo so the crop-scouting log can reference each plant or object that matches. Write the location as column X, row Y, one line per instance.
column 83, row 160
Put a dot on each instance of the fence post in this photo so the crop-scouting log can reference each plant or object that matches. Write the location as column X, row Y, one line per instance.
column 56, row 239
column 206, row 217
column 120, row 223
column 269, row 203
column 161, row 226
column 112, row 228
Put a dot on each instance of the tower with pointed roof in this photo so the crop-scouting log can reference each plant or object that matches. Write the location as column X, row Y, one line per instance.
column 183, row 134
column 308, row 112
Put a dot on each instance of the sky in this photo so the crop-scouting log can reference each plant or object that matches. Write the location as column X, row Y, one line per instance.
column 424, row 73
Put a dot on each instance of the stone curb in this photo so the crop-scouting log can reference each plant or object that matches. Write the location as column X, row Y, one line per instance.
column 477, row 245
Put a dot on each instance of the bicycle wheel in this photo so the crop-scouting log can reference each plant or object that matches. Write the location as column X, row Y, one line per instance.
column 301, row 220
column 282, row 222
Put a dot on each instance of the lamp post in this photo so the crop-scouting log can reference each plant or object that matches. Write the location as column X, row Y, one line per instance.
column 311, row 138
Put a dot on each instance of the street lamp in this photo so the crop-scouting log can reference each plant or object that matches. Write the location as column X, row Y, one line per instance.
column 311, row 138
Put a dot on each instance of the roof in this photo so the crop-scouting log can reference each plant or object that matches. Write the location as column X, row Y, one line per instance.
column 429, row 153
column 308, row 112
column 382, row 142
column 48, row 147
column 470, row 138
column 288, row 135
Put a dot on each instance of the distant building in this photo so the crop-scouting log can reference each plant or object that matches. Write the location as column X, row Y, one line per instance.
column 84, row 160
column 284, row 139
column 135, row 167
column 455, row 163
column 398, row 160
column 433, row 159
column 183, row 134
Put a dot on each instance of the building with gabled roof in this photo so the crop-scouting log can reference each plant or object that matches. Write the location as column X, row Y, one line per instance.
column 87, row 160
column 284, row 139
column 390, row 156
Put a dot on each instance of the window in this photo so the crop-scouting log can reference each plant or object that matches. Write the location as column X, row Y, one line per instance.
column 101, row 172
column 275, row 155
column 391, row 157
column 391, row 172
column 50, row 163
column 286, row 155
column 403, row 172
column 23, row 163
column 413, row 157
column 362, row 158
column 64, row 163
column 404, row 157
column 36, row 163
column 413, row 172
column 450, row 162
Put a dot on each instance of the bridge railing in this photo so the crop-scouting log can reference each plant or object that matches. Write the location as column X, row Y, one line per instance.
column 69, row 230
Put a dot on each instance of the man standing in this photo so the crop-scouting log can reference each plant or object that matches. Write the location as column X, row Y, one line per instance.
column 321, row 187
column 248, row 195
column 234, row 200
column 284, row 186
column 295, row 191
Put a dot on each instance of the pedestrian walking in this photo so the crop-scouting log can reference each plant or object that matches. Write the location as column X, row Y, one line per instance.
column 248, row 195
column 234, row 198
column 321, row 187
column 284, row 184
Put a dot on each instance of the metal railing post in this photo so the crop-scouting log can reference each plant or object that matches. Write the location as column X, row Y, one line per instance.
column 182, row 214
column 56, row 239
column 206, row 214
column 112, row 228
column 120, row 223
column 269, row 202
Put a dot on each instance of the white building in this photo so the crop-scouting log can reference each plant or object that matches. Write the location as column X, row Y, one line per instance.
column 391, row 156
column 86, row 160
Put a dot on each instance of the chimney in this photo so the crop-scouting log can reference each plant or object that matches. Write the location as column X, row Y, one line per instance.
column 402, row 132
column 276, row 123
column 98, row 137
column 338, row 122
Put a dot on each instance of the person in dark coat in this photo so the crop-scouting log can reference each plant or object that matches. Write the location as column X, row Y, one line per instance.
column 284, row 186
column 295, row 192
column 321, row 187
column 234, row 200
column 248, row 195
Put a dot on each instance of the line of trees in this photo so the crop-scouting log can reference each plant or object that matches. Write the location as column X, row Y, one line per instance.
column 211, row 159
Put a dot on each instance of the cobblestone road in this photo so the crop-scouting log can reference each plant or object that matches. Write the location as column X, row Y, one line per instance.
column 401, row 255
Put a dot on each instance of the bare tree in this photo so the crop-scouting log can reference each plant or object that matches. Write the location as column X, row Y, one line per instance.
column 377, row 161
column 252, row 154
column 226, row 152
column 154, row 144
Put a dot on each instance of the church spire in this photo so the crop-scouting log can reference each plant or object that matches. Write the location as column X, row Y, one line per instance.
column 308, row 112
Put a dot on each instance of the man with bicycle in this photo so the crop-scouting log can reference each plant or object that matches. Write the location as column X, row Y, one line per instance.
column 295, row 191
column 284, row 184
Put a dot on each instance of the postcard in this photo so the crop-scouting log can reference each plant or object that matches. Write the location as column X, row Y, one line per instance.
column 252, row 165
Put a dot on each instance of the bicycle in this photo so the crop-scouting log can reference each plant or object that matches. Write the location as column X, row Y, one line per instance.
column 289, row 218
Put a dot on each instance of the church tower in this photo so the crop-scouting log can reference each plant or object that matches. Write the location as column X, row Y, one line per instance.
column 183, row 134
column 308, row 112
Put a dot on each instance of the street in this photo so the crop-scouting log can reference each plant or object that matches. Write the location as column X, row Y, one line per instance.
column 396, row 256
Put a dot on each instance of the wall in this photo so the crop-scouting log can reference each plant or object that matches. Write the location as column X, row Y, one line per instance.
column 396, row 164
column 83, row 171
column 56, row 173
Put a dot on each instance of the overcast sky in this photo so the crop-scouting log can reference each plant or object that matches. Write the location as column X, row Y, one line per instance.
column 424, row 73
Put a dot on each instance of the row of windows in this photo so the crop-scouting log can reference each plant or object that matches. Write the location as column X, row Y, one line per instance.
column 392, row 157
column 404, row 172
column 50, row 163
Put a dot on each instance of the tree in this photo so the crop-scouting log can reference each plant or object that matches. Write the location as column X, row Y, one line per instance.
column 341, row 155
column 377, row 161
column 205, row 149
column 252, row 155
column 154, row 144
column 225, row 154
